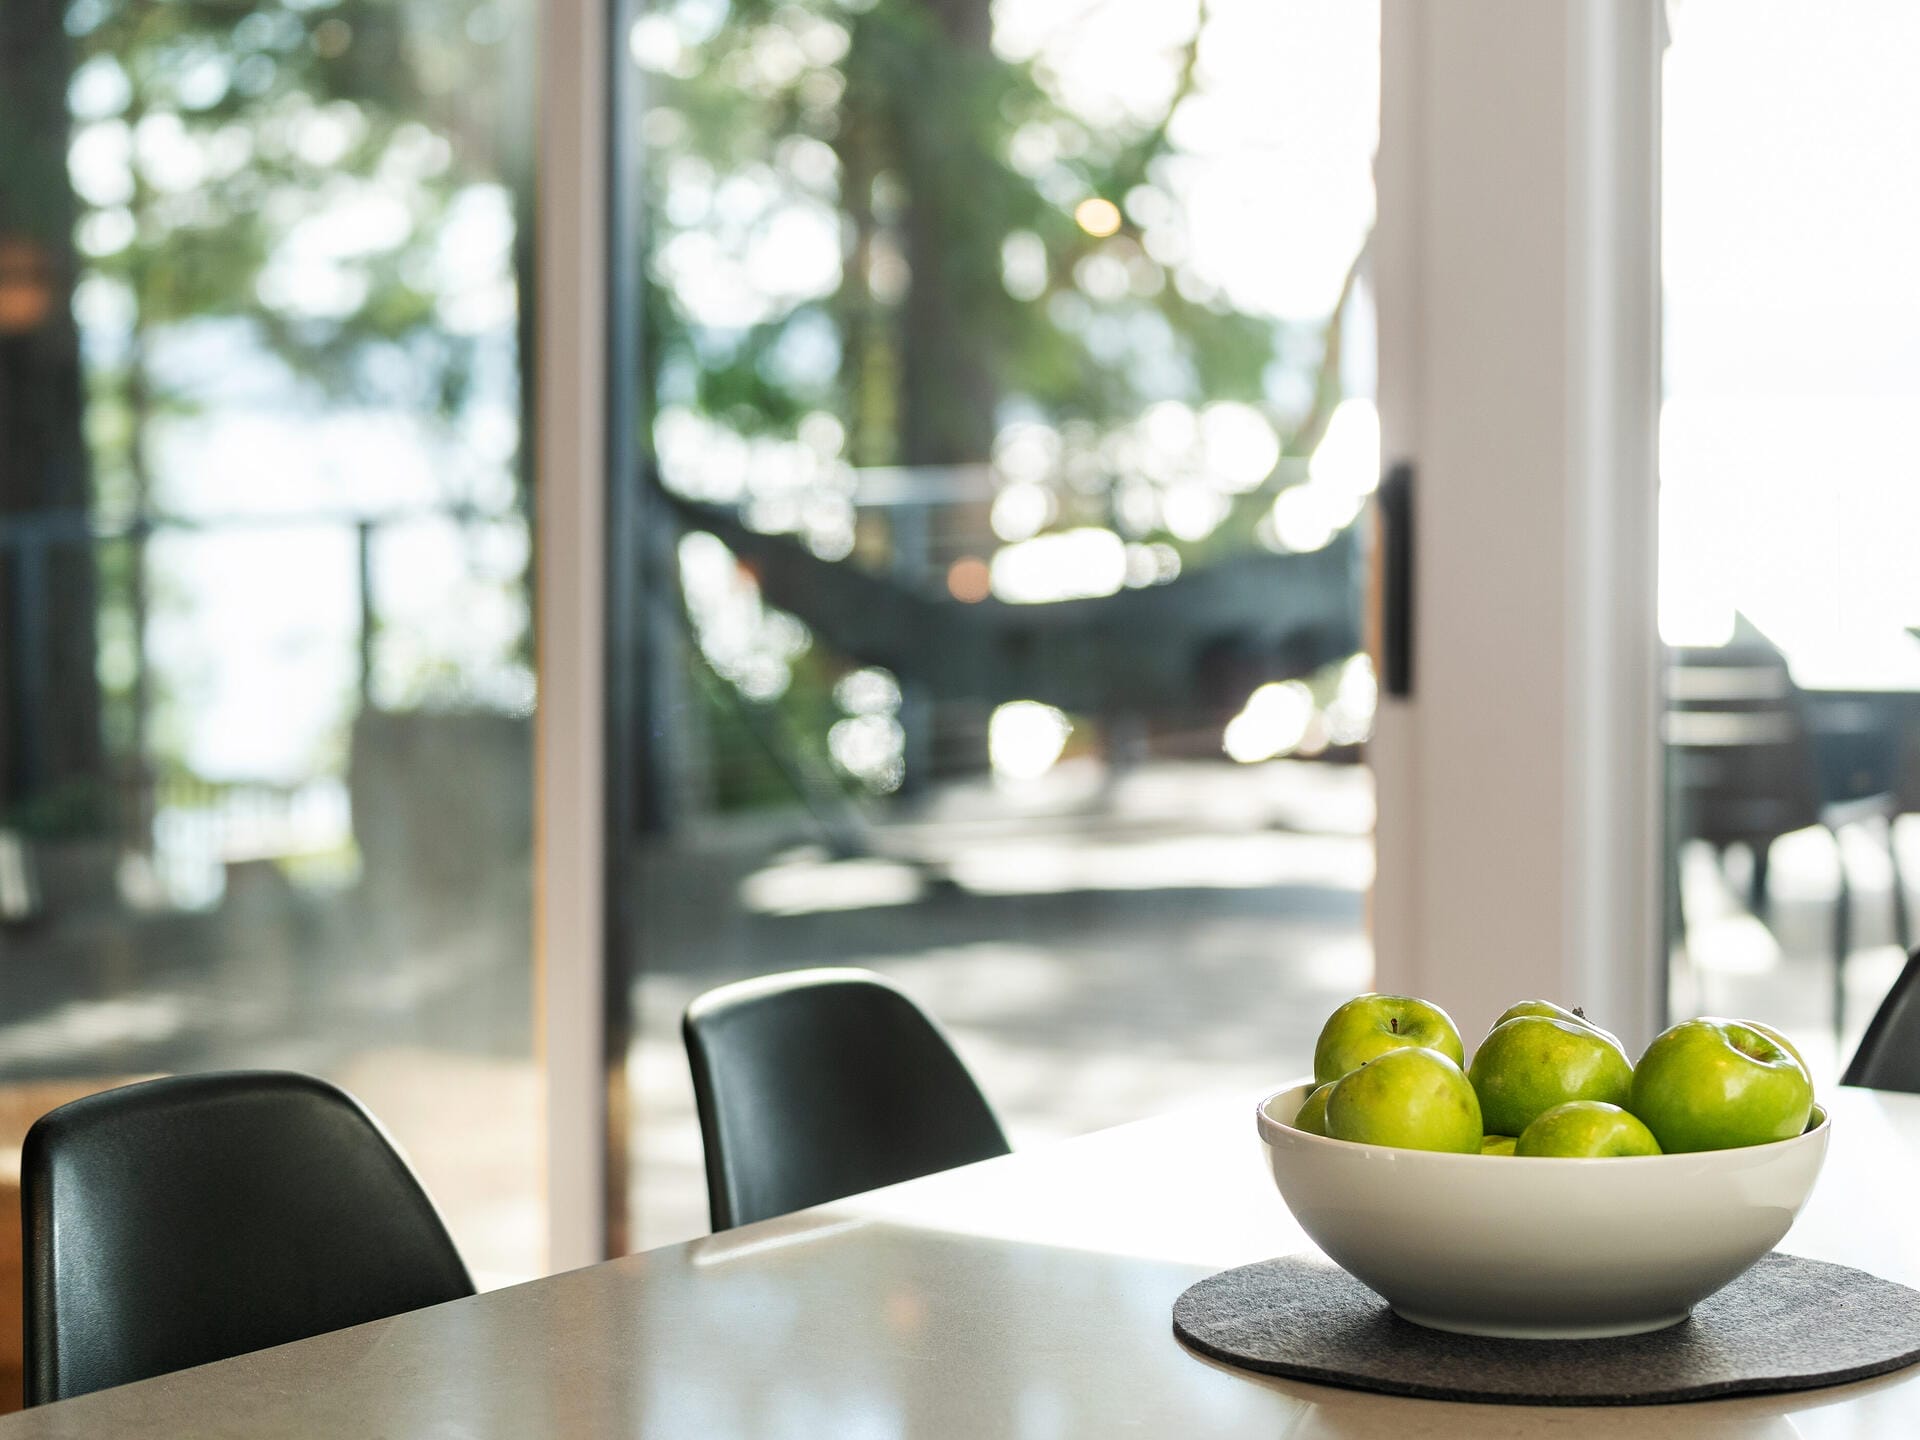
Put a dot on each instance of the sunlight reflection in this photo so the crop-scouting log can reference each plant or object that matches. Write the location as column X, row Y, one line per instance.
column 1198, row 862
column 1305, row 518
column 813, row 886
column 1347, row 459
column 1787, row 485
column 1024, row 738
column 1060, row 1203
column 1273, row 723
column 1072, row 565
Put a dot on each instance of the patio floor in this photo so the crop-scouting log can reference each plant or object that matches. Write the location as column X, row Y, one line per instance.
column 1080, row 1007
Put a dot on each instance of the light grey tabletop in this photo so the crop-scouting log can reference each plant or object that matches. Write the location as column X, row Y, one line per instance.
column 1026, row 1297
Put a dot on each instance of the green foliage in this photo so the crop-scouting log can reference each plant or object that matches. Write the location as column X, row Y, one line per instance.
column 923, row 120
column 247, row 125
column 72, row 809
column 329, row 187
column 968, row 292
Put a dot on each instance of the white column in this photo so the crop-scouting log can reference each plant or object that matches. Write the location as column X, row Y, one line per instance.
column 1517, row 269
column 570, row 375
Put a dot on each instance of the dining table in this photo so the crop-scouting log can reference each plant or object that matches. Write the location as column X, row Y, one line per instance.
column 1026, row 1297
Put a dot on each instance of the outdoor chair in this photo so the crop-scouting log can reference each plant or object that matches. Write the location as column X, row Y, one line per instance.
column 820, row 1084
column 1889, row 1053
column 1744, row 766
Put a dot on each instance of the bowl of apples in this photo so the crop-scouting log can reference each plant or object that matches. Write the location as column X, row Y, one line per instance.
column 1550, row 1188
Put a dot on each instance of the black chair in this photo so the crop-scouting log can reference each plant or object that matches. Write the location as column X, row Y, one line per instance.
column 1749, row 759
column 819, row 1084
column 1889, row 1053
column 181, row 1221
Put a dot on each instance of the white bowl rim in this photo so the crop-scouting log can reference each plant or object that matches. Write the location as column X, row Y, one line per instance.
column 1267, row 1123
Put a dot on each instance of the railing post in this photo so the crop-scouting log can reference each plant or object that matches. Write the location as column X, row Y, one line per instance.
column 363, row 542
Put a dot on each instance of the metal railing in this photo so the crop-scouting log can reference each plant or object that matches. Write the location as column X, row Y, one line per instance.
column 228, row 818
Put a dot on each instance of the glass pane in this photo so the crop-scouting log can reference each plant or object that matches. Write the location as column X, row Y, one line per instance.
column 1010, row 369
column 265, row 762
column 1789, row 498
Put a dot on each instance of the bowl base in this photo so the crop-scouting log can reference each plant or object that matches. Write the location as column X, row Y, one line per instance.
column 1459, row 1326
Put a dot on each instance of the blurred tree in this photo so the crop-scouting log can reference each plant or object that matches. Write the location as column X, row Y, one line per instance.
column 305, row 178
column 997, row 257
column 953, row 169
column 974, row 250
column 50, row 751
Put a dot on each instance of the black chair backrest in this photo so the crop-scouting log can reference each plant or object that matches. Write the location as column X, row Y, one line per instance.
column 819, row 1084
column 181, row 1221
column 1741, row 764
column 1889, row 1053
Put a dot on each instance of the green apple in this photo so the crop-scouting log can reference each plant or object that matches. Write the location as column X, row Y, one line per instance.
column 1412, row 1097
column 1780, row 1040
column 1710, row 1084
column 1312, row 1114
column 1370, row 1025
column 1586, row 1129
column 1497, row 1145
column 1531, row 1063
column 1552, row 1012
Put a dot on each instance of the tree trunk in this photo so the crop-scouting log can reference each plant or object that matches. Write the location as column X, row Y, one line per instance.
column 947, row 387
column 947, row 384
column 51, row 753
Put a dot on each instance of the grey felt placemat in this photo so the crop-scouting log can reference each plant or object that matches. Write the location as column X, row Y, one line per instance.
column 1787, row 1324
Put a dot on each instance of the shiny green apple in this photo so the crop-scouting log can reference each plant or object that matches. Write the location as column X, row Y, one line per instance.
column 1711, row 1084
column 1780, row 1040
column 1552, row 1012
column 1370, row 1025
column 1412, row 1097
column 1586, row 1129
column 1312, row 1114
column 1497, row 1145
column 1531, row 1063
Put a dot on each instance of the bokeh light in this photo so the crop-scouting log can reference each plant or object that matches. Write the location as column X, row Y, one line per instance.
column 1274, row 722
column 1025, row 738
column 1097, row 216
column 1305, row 518
column 1349, row 716
column 1347, row 459
column 1073, row 565
column 969, row 580
column 871, row 691
column 1022, row 510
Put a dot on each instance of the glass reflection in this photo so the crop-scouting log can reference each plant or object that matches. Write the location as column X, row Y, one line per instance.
column 265, row 643
column 1009, row 368
column 1787, row 599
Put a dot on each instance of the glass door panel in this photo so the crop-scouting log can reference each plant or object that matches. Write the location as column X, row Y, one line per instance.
column 1789, row 498
column 1009, row 370
column 265, row 644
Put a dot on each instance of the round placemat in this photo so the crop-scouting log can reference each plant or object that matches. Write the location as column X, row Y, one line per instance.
column 1787, row 1324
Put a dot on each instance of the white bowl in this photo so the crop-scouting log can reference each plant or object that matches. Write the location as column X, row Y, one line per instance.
column 1537, row 1248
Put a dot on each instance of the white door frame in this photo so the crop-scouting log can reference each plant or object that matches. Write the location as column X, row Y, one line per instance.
column 1516, row 261
column 1517, row 268
column 570, row 372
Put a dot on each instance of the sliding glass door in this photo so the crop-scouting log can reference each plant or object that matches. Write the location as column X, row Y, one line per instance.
column 1789, row 597
column 266, row 671
column 1008, row 376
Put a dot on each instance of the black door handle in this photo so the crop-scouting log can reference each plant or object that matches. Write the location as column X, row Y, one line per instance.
column 1396, row 580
